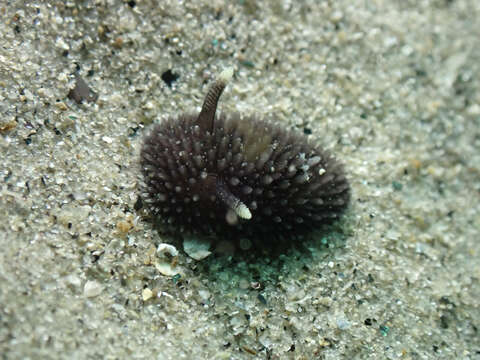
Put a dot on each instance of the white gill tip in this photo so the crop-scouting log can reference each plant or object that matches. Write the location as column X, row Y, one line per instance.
column 226, row 75
column 243, row 211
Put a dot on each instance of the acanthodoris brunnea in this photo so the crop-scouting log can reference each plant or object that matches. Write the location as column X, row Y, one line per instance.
column 224, row 176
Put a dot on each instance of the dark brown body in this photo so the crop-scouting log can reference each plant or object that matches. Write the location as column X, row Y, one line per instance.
column 227, row 176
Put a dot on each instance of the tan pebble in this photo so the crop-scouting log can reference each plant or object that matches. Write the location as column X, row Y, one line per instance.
column 416, row 164
column 8, row 126
column 61, row 106
column 249, row 350
column 147, row 294
column 118, row 43
column 324, row 343
column 124, row 227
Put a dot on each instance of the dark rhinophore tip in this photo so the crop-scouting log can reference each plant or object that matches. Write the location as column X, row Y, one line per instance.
column 233, row 176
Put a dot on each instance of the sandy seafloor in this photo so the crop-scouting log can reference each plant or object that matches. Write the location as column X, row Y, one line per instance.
column 391, row 87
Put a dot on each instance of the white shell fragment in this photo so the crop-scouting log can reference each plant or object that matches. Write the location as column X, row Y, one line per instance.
column 167, row 249
column 92, row 289
column 165, row 268
column 196, row 248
